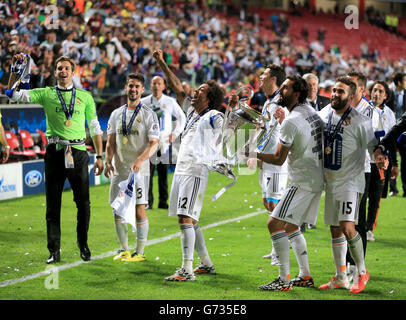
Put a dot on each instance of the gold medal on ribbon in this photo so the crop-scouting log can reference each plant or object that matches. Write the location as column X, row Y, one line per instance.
column 328, row 150
column 68, row 123
column 125, row 140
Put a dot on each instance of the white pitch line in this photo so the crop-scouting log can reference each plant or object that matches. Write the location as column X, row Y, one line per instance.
column 52, row 269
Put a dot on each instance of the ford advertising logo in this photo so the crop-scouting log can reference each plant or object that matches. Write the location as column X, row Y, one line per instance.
column 33, row 178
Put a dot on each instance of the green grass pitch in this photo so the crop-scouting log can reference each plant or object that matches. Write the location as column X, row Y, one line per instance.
column 235, row 242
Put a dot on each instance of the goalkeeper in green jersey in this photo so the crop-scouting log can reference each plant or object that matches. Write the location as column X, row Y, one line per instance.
column 66, row 109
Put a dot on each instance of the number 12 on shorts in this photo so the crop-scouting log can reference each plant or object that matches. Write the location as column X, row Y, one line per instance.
column 182, row 203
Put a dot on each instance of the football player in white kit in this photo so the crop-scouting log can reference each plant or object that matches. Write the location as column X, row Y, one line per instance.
column 132, row 138
column 272, row 178
column 348, row 134
column 166, row 109
column 191, row 175
column 300, row 143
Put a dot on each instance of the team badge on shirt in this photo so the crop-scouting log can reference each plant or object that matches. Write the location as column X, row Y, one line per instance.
column 347, row 121
column 139, row 119
column 78, row 101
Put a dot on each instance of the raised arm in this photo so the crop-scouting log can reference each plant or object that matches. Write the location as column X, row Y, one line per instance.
column 173, row 81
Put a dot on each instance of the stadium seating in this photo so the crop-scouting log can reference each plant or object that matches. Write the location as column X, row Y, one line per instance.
column 42, row 143
column 17, row 150
column 389, row 45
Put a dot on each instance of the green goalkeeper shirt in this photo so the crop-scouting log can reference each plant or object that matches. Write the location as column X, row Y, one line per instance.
column 84, row 110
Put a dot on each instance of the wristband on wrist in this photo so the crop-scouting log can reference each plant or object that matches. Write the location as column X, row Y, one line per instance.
column 99, row 157
column 6, row 147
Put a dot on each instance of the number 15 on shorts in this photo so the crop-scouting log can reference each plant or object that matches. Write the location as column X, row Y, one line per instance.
column 349, row 210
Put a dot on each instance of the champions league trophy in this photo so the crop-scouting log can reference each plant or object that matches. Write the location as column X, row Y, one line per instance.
column 243, row 130
column 20, row 68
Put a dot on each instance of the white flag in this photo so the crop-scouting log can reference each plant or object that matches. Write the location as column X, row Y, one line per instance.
column 125, row 202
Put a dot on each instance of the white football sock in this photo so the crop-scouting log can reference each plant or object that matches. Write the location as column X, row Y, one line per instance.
column 200, row 247
column 281, row 244
column 339, row 249
column 357, row 252
column 299, row 247
column 121, row 232
column 187, row 240
column 142, row 235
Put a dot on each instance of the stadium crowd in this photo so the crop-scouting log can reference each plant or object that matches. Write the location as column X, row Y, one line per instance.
column 110, row 39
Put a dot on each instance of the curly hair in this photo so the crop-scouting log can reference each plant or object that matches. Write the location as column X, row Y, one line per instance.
column 299, row 85
column 215, row 95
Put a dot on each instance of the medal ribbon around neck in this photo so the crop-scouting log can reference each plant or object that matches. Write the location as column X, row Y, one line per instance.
column 189, row 125
column 126, row 129
column 68, row 113
column 331, row 135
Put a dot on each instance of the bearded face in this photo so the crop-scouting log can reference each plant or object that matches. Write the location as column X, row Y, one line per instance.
column 340, row 96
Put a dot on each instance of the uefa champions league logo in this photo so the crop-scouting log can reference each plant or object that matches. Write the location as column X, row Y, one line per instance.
column 33, row 178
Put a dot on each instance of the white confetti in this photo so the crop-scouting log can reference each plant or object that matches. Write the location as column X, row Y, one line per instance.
column 224, row 255
column 211, row 239
column 245, row 200
column 391, row 291
column 157, row 258
column 15, row 269
column 251, row 207
column 16, row 215
column 27, row 253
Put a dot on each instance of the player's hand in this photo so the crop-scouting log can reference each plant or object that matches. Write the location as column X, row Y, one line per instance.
column 279, row 114
column 98, row 167
column 394, row 172
column 6, row 154
column 109, row 170
column 252, row 163
column 172, row 138
column 158, row 55
column 18, row 57
column 233, row 101
column 136, row 166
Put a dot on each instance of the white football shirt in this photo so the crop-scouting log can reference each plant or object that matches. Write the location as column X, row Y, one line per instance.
column 367, row 110
column 200, row 134
column 302, row 131
column 269, row 146
column 144, row 128
column 344, row 167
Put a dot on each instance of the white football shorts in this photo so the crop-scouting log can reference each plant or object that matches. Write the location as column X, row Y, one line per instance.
column 141, row 188
column 341, row 206
column 187, row 195
column 297, row 206
column 273, row 184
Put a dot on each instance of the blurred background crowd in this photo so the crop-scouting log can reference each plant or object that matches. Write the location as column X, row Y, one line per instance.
column 201, row 39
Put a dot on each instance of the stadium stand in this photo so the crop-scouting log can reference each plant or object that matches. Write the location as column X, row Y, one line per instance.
column 108, row 39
